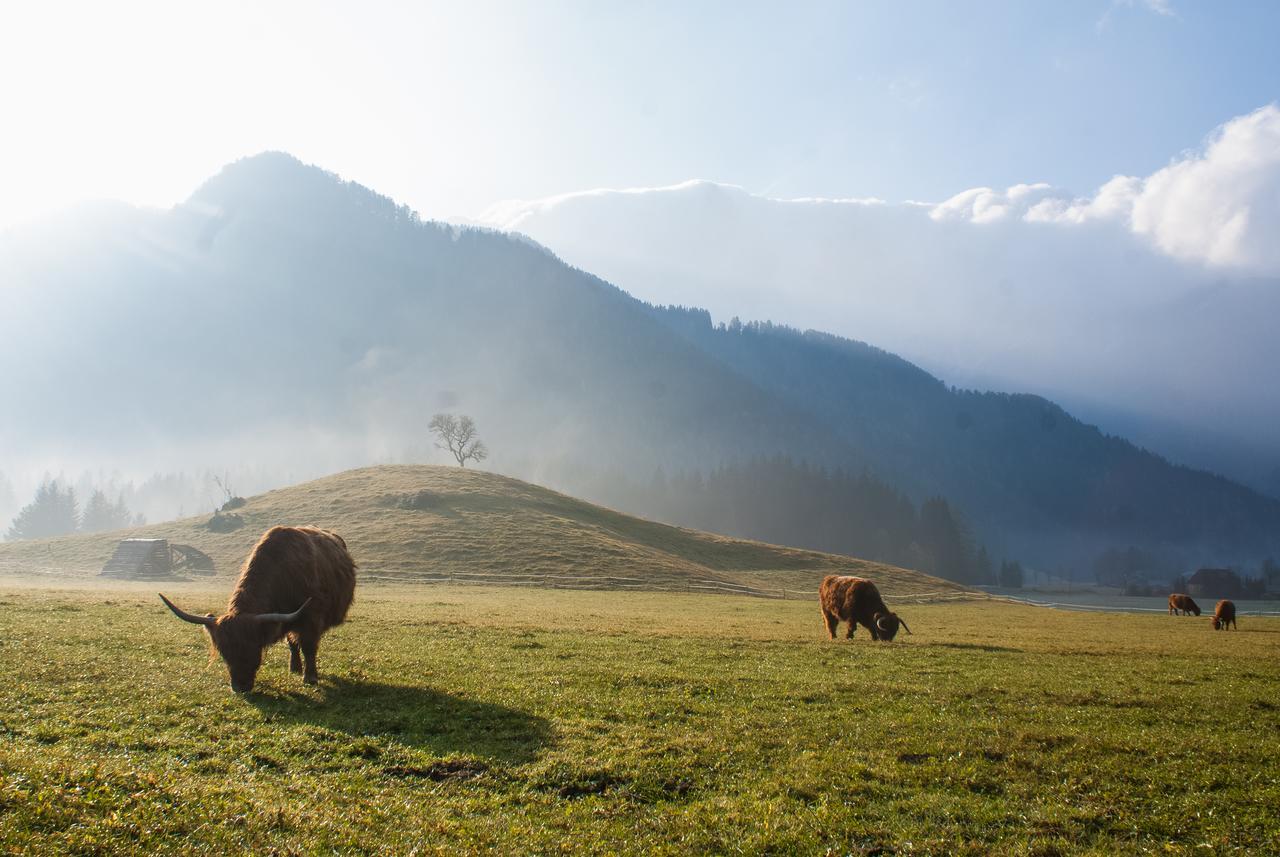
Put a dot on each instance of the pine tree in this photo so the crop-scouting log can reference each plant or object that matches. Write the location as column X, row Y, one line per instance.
column 53, row 512
column 96, row 513
column 1011, row 574
column 983, row 570
column 100, row 514
column 947, row 540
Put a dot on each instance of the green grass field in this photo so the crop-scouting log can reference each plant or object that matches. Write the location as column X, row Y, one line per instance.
column 456, row 719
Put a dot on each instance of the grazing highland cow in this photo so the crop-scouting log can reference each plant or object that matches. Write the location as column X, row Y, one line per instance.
column 856, row 601
column 1224, row 614
column 301, row 569
column 1182, row 604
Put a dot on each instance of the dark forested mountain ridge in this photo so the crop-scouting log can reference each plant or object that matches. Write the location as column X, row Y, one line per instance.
column 1018, row 465
column 284, row 317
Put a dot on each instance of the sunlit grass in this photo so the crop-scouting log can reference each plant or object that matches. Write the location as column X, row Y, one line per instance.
column 537, row 722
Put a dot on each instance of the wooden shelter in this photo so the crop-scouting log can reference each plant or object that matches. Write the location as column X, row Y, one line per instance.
column 154, row 559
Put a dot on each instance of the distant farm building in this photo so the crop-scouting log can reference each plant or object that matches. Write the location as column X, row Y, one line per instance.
column 1214, row 583
column 154, row 559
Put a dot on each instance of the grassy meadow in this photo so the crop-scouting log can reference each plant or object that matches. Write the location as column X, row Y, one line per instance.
column 453, row 719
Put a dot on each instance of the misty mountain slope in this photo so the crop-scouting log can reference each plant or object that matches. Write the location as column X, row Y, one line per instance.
column 283, row 313
column 472, row 522
column 1018, row 465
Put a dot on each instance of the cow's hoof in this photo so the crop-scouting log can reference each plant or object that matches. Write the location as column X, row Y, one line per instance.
column 310, row 679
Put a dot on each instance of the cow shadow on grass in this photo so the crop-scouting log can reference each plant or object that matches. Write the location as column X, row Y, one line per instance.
column 977, row 647
column 377, row 713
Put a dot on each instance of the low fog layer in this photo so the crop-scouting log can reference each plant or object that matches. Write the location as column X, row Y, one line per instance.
column 1149, row 306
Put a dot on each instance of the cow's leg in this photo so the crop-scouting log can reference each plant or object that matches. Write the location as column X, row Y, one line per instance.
column 853, row 626
column 309, row 645
column 295, row 656
column 875, row 632
column 832, row 621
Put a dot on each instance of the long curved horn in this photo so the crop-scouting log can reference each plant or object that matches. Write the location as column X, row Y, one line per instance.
column 880, row 623
column 904, row 625
column 207, row 621
column 282, row 617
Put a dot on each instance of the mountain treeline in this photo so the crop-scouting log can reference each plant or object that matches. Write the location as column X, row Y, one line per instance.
column 55, row 511
column 782, row 501
column 1023, row 469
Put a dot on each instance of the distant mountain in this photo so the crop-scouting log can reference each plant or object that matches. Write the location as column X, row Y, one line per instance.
column 280, row 299
column 287, row 319
column 1018, row 464
column 1025, row 289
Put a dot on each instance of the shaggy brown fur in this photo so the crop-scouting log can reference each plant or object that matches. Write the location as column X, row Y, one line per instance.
column 858, row 602
column 297, row 583
column 1223, row 614
column 1179, row 603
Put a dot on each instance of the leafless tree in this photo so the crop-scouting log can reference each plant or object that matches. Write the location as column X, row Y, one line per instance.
column 458, row 435
column 233, row 500
column 224, row 483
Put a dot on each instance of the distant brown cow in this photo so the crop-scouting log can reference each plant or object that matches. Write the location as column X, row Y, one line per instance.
column 856, row 601
column 1224, row 614
column 301, row 569
column 1179, row 603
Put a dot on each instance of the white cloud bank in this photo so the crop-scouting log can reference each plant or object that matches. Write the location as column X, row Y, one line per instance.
column 1155, row 300
column 1220, row 207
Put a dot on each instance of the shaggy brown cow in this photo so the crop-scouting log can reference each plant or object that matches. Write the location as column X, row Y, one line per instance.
column 303, row 569
column 856, row 601
column 1179, row 603
column 1224, row 614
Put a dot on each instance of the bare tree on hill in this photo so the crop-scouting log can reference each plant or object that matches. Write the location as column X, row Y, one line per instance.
column 458, row 435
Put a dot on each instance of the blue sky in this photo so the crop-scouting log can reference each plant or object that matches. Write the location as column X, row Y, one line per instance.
column 450, row 107
column 844, row 99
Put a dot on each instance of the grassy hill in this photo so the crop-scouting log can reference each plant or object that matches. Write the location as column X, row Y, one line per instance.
column 415, row 522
